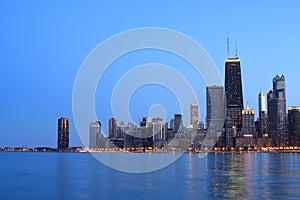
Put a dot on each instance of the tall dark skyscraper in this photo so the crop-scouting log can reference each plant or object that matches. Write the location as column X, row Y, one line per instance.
column 277, row 112
column 234, row 92
column 63, row 134
column 112, row 128
column 294, row 126
column 262, row 119
column 177, row 122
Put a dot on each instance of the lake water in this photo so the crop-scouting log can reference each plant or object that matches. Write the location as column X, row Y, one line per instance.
column 216, row 176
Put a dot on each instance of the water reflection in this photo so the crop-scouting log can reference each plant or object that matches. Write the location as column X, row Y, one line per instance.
column 226, row 175
column 251, row 175
column 216, row 176
column 62, row 181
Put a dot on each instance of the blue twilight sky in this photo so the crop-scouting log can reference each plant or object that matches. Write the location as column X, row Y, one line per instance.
column 43, row 44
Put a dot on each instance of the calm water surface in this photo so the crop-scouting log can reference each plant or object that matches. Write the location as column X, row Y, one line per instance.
column 217, row 176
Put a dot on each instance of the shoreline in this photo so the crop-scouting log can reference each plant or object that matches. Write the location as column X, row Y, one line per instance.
column 162, row 151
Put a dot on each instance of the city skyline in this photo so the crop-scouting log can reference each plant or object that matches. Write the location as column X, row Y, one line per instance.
column 44, row 44
column 282, row 127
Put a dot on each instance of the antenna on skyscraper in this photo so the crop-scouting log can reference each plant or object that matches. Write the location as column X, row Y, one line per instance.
column 227, row 45
column 236, row 50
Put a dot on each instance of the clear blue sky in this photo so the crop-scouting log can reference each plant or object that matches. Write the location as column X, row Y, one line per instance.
column 43, row 44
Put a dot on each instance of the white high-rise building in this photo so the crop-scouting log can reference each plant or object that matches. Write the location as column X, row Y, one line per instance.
column 262, row 103
column 95, row 133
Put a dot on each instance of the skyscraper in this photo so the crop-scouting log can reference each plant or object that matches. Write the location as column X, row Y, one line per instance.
column 214, row 97
column 112, row 128
column 294, row 126
column 262, row 119
column 177, row 122
column 277, row 112
column 95, row 133
column 158, row 128
column 233, row 91
column 215, row 114
column 63, row 134
column 248, row 127
column 145, row 121
column 194, row 112
column 230, row 133
column 262, row 107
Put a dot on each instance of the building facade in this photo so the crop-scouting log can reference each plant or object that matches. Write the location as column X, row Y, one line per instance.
column 294, row 126
column 194, row 112
column 262, row 118
column 177, row 122
column 277, row 112
column 215, row 114
column 234, row 92
column 63, row 134
column 95, row 134
column 215, row 109
column 248, row 126
column 112, row 128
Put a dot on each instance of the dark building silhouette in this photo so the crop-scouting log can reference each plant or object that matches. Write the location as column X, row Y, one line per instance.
column 233, row 91
column 230, row 133
column 112, row 128
column 262, row 118
column 177, row 122
column 277, row 112
column 294, row 126
column 145, row 122
column 271, row 115
column 63, row 134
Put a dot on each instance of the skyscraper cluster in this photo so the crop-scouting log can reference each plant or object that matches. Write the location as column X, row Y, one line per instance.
column 274, row 127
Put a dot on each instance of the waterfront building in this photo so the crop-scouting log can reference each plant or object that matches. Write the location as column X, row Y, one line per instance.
column 121, row 130
column 95, row 134
column 194, row 114
column 229, row 133
column 248, row 126
column 277, row 112
column 158, row 128
column 233, row 91
column 262, row 118
column 294, row 126
column 63, row 134
column 177, row 122
column 215, row 98
column 215, row 114
column 112, row 128
column 272, row 115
